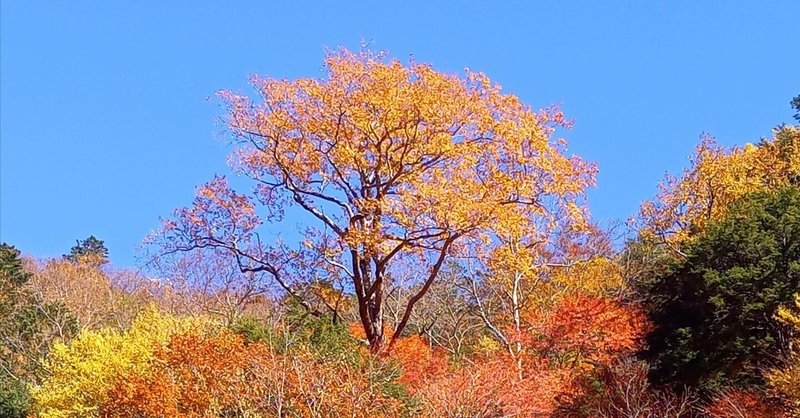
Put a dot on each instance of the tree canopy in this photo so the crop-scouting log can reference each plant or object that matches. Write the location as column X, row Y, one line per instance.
column 90, row 250
column 399, row 166
column 712, row 309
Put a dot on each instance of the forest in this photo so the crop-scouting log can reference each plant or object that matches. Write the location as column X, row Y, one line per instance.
column 443, row 262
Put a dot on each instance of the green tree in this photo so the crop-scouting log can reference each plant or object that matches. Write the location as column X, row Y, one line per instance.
column 14, row 398
column 796, row 106
column 90, row 249
column 28, row 326
column 713, row 309
column 11, row 267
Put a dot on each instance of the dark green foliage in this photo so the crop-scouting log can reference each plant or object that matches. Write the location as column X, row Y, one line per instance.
column 327, row 337
column 12, row 279
column 89, row 246
column 253, row 330
column 11, row 268
column 14, row 398
column 713, row 310
column 319, row 333
column 28, row 327
column 796, row 106
column 34, row 326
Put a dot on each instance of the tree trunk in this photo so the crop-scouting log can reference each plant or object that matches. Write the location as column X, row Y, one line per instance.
column 377, row 339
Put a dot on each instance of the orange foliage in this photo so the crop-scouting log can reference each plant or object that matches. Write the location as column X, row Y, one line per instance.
column 136, row 396
column 205, row 376
column 591, row 328
column 740, row 404
column 394, row 162
column 493, row 388
column 420, row 362
column 198, row 376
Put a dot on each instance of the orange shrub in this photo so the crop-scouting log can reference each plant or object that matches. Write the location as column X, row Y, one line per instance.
column 591, row 328
column 494, row 388
column 216, row 375
column 419, row 361
column 198, row 376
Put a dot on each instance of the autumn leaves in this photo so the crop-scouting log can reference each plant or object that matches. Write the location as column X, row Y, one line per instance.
column 393, row 164
column 444, row 264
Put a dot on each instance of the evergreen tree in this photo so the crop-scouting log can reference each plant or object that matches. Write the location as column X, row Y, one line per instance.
column 90, row 249
column 713, row 310
column 28, row 327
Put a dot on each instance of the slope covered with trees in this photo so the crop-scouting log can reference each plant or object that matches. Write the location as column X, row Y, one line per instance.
column 445, row 266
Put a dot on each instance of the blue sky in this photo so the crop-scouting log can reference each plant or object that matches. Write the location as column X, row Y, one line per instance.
column 106, row 122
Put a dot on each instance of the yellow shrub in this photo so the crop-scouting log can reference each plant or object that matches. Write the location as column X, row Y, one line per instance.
column 82, row 372
column 786, row 382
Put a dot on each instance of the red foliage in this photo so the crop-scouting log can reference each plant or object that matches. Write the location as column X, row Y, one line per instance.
column 420, row 363
column 591, row 328
column 494, row 388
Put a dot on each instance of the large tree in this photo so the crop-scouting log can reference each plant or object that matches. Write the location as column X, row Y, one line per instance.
column 398, row 166
column 713, row 309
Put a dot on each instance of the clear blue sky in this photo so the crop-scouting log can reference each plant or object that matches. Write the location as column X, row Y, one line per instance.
column 106, row 124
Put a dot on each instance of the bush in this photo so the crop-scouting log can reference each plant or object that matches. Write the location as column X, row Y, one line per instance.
column 14, row 398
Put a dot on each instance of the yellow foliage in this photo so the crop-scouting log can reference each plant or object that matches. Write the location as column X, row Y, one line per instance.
column 790, row 316
column 406, row 151
column 786, row 382
column 82, row 372
column 331, row 296
column 398, row 162
column 599, row 276
column 487, row 345
column 716, row 178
